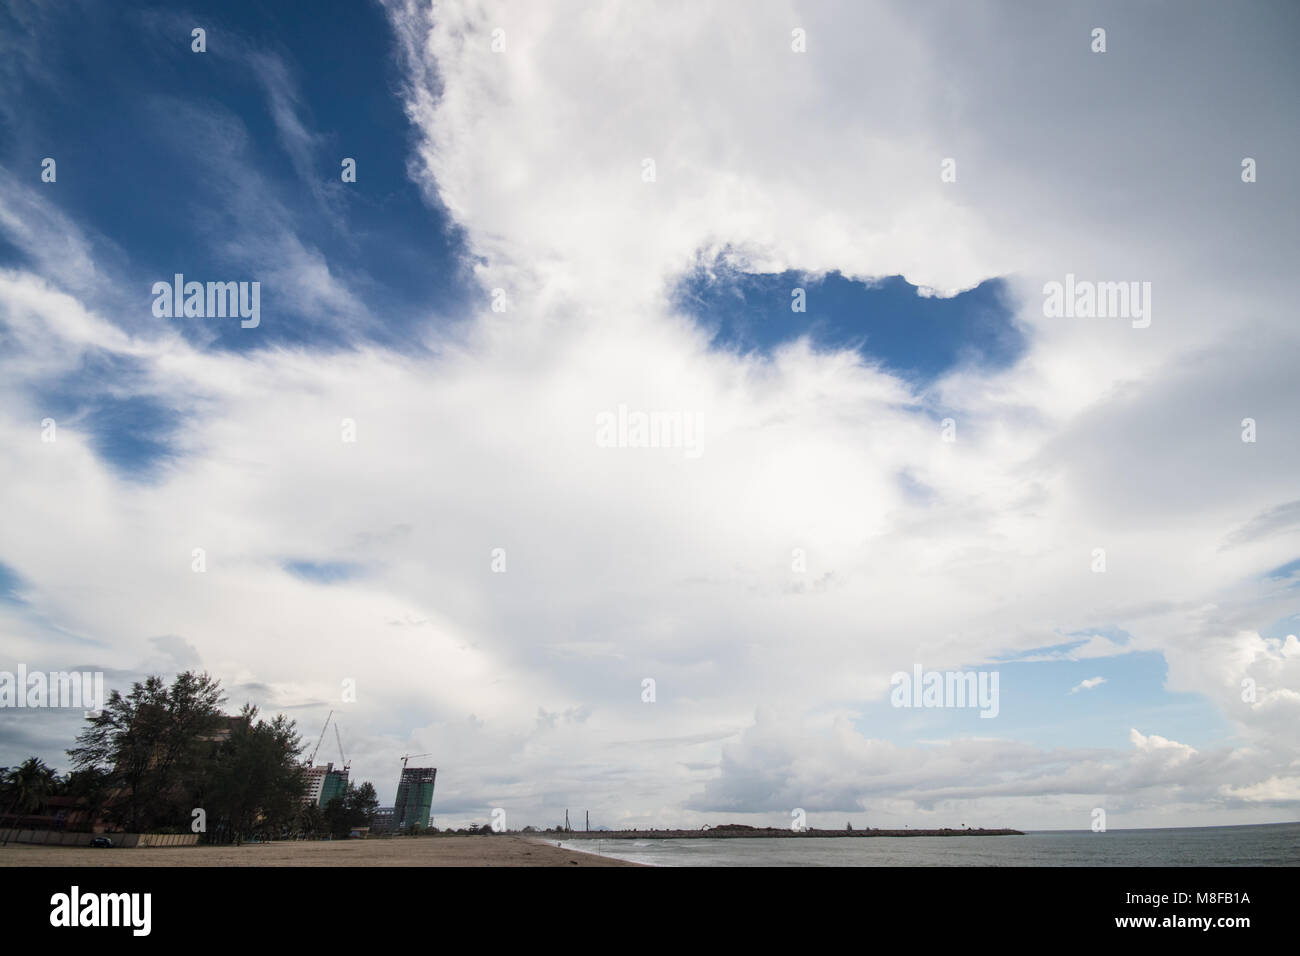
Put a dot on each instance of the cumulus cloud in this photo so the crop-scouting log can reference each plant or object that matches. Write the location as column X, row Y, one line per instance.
column 1088, row 684
column 1282, row 790
column 623, row 564
column 1155, row 744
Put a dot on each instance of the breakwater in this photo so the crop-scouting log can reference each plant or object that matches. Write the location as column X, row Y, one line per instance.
column 735, row 830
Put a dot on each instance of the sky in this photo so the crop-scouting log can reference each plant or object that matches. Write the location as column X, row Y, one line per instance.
column 810, row 243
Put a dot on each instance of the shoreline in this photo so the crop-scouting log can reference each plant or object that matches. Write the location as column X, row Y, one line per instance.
column 507, row 850
column 735, row 832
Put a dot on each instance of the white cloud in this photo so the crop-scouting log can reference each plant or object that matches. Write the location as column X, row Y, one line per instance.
column 1088, row 684
column 1273, row 790
column 631, row 563
column 1157, row 744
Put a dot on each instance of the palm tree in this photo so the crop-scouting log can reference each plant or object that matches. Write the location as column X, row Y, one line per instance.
column 32, row 784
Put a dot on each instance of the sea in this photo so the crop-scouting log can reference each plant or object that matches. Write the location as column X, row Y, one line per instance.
column 1276, row 844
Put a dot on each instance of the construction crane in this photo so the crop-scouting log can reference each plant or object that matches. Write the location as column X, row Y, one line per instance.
column 409, row 756
column 346, row 763
column 312, row 759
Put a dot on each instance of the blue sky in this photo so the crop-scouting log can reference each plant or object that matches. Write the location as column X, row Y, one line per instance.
column 151, row 139
column 916, row 336
column 153, row 142
column 9, row 584
column 1045, row 712
column 520, row 170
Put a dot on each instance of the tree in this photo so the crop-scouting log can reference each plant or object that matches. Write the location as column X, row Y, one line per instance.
column 366, row 802
column 311, row 819
column 91, row 788
column 29, row 786
column 355, row 807
column 149, row 742
column 253, row 783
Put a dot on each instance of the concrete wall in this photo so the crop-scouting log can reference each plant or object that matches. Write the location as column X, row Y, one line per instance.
column 167, row 839
column 62, row 838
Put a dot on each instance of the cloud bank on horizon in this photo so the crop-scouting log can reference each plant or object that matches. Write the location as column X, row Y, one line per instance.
column 481, row 457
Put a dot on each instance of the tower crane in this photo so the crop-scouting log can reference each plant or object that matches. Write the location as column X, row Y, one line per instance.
column 346, row 763
column 409, row 756
column 312, row 759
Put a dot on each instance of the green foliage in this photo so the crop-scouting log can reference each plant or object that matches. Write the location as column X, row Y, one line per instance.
column 354, row 808
column 149, row 743
column 311, row 820
column 157, row 753
column 27, row 788
column 91, row 787
column 253, row 784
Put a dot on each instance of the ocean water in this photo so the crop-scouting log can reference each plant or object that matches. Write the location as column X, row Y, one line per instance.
column 1266, row 845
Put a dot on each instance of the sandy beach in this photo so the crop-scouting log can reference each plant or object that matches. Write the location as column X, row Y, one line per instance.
column 504, row 850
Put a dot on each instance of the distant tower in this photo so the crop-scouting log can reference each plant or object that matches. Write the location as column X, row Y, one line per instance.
column 414, row 798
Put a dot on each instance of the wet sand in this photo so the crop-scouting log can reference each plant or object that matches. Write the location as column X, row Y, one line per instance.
column 502, row 850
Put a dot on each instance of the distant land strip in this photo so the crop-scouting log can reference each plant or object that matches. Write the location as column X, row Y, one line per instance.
column 740, row 830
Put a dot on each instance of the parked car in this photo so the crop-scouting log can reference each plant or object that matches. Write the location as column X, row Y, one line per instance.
column 101, row 841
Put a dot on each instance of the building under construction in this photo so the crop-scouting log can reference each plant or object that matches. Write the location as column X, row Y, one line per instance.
column 324, row 784
column 414, row 798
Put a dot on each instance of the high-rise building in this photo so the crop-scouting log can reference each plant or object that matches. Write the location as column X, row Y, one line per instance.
column 324, row 783
column 336, row 781
column 414, row 797
column 315, row 777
